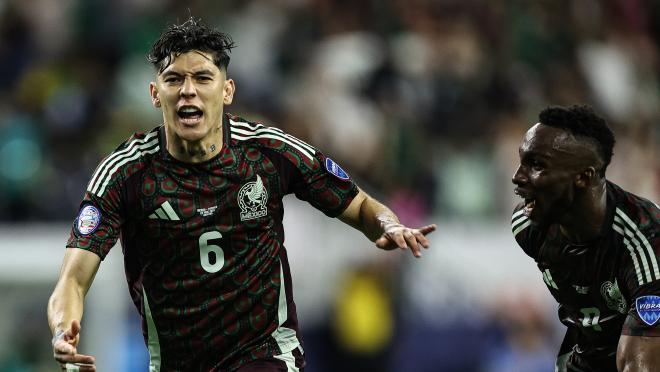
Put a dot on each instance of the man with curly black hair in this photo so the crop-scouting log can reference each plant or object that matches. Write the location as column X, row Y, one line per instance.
column 197, row 203
column 597, row 245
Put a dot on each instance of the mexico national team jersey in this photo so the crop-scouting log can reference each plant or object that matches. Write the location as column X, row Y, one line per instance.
column 606, row 288
column 203, row 243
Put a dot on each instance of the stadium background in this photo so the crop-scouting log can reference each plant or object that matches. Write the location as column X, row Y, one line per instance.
column 423, row 102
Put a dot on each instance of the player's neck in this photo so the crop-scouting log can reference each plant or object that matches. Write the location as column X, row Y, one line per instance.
column 586, row 221
column 194, row 151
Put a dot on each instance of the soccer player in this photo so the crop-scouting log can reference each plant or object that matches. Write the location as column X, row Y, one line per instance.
column 597, row 245
column 197, row 203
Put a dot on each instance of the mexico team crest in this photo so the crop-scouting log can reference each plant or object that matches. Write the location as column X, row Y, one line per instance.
column 252, row 199
column 648, row 308
column 88, row 220
column 613, row 297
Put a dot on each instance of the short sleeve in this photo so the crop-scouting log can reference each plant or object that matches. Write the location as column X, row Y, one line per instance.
column 641, row 272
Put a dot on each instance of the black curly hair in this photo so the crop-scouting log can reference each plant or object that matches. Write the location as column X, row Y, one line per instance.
column 190, row 35
column 582, row 121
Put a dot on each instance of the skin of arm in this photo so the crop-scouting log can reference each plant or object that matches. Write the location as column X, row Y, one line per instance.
column 65, row 306
column 382, row 226
column 638, row 354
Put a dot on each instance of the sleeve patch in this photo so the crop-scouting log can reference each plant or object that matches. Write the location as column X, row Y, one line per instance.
column 335, row 169
column 648, row 308
column 88, row 220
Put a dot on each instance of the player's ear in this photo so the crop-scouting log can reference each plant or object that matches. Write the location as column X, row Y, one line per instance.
column 229, row 89
column 586, row 177
column 153, row 92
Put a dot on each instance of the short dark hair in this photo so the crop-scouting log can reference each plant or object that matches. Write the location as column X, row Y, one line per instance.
column 190, row 35
column 582, row 121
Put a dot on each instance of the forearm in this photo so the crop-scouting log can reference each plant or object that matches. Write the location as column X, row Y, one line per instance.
column 369, row 216
column 65, row 305
column 638, row 354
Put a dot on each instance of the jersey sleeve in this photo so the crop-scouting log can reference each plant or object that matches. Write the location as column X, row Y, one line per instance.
column 520, row 227
column 323, row 184
column 640, row 270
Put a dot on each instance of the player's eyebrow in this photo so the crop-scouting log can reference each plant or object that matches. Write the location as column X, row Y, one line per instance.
column 194, row 73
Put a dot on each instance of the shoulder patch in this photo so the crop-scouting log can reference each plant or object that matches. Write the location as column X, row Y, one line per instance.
column 88, row 219
column 648, row 308
column 335, row 169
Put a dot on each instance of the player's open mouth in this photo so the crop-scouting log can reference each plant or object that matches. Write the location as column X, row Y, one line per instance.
column 529, row 206
column 190, row 114
column 530, row 201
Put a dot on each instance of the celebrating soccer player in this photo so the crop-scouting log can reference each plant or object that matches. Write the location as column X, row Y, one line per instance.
column 197, row 203
column 597, row 245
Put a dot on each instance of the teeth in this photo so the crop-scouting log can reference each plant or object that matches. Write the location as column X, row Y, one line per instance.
column 188, row 110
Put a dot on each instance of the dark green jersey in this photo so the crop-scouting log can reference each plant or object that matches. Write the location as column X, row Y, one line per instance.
column 203, row 243
column 598, row 285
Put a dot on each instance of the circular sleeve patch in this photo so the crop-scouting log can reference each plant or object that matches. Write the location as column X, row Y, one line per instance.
column 88, row 220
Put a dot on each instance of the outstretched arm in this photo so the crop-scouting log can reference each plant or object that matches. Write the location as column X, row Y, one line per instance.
column 382, row 226
column 638, row 354
column 65, row 308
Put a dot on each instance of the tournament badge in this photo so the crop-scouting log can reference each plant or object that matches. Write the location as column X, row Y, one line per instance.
column 335, row 169
column 88, row 220
column 648, row 308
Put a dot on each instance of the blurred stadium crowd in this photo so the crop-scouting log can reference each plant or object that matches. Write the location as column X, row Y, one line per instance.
column 424, row 102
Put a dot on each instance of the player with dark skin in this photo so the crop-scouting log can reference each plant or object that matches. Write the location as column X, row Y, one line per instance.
column 192, row 90
column 572, row 222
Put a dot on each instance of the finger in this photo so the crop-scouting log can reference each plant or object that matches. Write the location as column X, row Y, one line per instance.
column 75, row 359
column 421, row 239
column 411, row 242
column 427, row 229
column 62, row 347
column 75, row 328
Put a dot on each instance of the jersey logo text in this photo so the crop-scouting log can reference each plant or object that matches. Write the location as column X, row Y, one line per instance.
column 648, row 308
column 335, row 169
column 205, row 212
column 252, row 199
column 88, row 220
column 164, row 212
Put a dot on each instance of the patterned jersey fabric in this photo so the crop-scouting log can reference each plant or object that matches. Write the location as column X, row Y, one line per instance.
column 597, row 284
column 203, row 243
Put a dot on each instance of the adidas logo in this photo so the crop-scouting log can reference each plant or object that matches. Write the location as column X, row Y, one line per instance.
column 164, row 212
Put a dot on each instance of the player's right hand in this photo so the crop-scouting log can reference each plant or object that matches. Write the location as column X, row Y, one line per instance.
column 66, row 354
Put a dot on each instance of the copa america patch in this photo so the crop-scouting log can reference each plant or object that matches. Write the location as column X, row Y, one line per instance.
column 88, row 220
column 648, row 308
column 335, row 169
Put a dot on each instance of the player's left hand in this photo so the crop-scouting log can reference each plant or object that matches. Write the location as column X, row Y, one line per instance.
column 400, row 236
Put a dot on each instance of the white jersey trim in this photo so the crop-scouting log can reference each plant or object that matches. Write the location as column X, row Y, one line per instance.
column 152, row 337
column 639, row 247
column 248, row 132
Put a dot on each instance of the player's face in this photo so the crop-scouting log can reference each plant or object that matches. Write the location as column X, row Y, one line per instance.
column 192, row 92
column 545, row 178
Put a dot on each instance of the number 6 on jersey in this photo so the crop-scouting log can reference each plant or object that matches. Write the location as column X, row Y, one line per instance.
column 205, row 250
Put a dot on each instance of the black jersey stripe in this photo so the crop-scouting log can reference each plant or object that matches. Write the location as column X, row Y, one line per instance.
column 260, row 128
column 127, row 151
column 147, row 148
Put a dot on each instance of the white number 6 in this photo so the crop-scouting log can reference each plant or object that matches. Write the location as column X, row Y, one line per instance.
column 205, row 249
